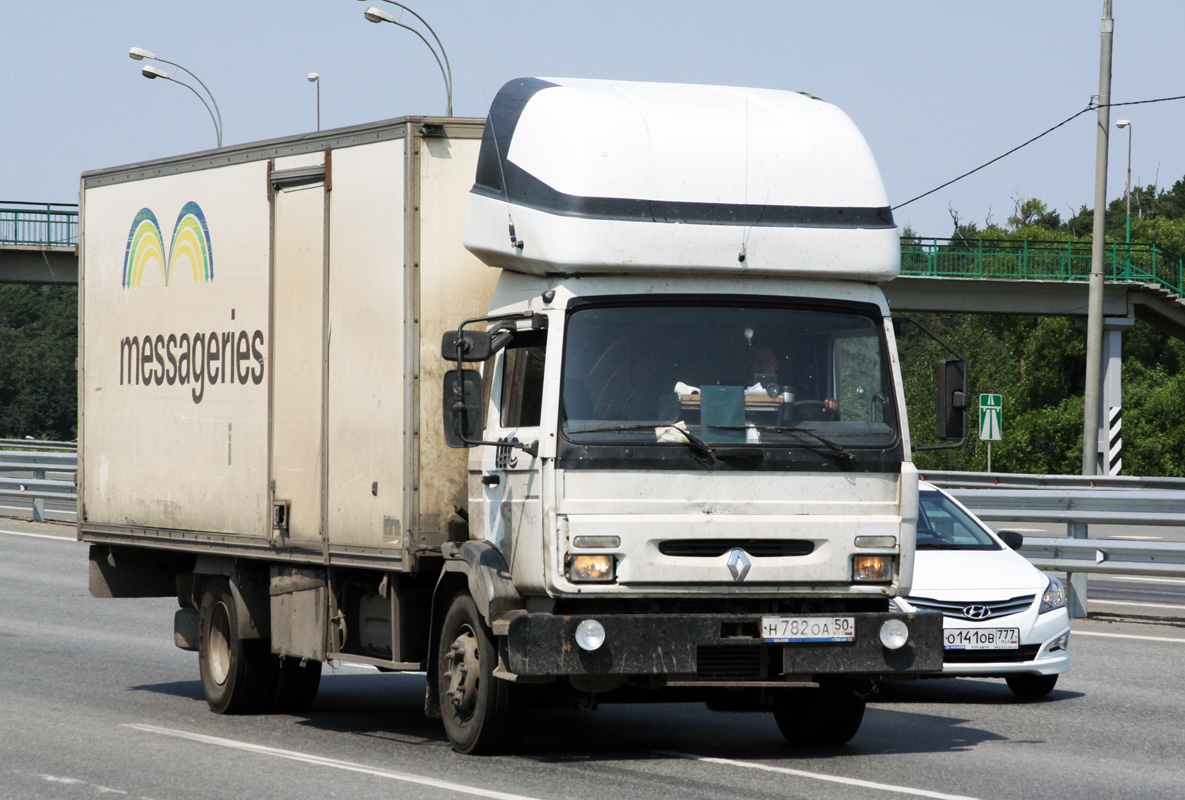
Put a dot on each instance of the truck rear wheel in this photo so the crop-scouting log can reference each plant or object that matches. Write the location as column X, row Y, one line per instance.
column 297, row 681
column 828, row 715
column 235, row 671
column 481, row 713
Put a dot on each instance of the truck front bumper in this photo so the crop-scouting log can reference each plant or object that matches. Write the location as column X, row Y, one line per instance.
column 716, row 647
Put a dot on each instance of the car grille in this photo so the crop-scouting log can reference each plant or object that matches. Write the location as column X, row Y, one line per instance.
column 713, row 548
column 1026, row 652
column 958, row 609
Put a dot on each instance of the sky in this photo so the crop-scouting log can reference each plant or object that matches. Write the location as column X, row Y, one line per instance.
column 937, row 87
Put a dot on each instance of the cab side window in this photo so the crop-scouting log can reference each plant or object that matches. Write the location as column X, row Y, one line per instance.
column 522, row 380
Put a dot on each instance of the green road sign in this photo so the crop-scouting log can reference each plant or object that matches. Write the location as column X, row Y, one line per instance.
column 991, row 417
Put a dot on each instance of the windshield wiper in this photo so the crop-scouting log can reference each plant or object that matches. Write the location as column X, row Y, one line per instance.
column 689, row 439
column 831, row 446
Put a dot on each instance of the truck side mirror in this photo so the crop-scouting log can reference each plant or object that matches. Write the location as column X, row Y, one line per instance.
column 951, row 402
column 475, row 345
column 463, row 419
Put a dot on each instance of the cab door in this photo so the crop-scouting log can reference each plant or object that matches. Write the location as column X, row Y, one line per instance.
column 511, row 478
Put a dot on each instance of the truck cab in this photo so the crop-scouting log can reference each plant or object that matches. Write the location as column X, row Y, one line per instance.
column 690, row 457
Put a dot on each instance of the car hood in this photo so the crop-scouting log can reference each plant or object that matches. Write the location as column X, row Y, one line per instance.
column 964, row 571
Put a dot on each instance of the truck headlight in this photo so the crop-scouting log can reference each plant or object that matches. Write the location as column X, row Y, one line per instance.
column 1055, row 596
column 872, row 569
column 592, row 568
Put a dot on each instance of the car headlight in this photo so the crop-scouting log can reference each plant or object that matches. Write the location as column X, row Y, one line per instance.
column 1055, row 596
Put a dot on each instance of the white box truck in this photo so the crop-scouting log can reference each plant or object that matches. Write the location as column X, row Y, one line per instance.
column 595, row 399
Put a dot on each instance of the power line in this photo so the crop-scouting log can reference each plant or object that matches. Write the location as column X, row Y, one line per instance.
column 1091, row 107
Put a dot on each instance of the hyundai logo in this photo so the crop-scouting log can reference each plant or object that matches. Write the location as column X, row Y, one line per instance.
column 976, row 612
column 739, row 564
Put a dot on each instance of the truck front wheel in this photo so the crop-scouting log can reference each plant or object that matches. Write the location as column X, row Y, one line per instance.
column 236, row 672
column 481, row 713
column 828, row 715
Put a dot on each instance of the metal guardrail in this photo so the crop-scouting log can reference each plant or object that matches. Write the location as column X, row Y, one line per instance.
column 1080, row 501
column 38, row 224
column 1141, row 262
column 38, row 459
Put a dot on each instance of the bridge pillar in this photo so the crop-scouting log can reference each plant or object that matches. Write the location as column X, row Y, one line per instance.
column 1110, row 460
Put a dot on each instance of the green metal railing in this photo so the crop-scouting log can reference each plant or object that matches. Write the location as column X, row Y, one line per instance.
column 38, row 224
column 1141, row 262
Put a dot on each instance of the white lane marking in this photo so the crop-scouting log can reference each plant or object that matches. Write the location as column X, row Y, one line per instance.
column 321, row 761
column 885, row 787
column 1143, row 579
column 41, row 536
column 1130, row 636
column 77, row 782
column 1133, row 603
column 1139, row 538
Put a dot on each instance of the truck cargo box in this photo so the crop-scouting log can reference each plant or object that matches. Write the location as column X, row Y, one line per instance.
column 262, row 324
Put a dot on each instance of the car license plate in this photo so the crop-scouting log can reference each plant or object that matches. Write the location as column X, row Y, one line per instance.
column 808, row 629
column 981, row 638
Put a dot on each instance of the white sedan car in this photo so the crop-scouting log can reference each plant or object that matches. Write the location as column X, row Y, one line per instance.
column 1002, row 617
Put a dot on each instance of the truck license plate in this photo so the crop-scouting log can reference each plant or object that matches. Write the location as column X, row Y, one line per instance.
column 808, row 629
column 981, row 638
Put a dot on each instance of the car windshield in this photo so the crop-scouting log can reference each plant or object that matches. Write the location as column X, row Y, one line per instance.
column 943, row 525
column 761, row 371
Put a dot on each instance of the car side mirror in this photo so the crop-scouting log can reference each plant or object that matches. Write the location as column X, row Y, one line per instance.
column 1013, row 539
column 463, row 423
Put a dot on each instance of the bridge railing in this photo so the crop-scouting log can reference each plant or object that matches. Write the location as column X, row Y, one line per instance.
column 1141, row 262
column 38, row 224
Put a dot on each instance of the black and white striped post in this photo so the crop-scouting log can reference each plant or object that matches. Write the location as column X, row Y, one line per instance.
column 1114, row 440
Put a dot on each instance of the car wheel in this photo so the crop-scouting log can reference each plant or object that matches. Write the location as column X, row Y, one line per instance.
column 1026, row 685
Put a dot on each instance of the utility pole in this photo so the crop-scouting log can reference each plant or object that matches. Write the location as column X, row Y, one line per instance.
column 1094, row 318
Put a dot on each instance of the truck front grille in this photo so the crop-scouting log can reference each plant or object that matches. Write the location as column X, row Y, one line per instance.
column 728, row 663
column 714, row 548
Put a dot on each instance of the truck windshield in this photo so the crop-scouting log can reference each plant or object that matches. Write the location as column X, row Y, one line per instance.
column 752, row 371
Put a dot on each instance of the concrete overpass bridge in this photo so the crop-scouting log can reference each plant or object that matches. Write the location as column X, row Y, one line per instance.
column 37, row 242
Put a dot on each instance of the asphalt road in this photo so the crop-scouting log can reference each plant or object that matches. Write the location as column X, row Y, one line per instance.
column 95, row 701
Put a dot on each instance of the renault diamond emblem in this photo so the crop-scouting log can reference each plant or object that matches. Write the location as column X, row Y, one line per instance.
column 977, row 612
column 738, row 564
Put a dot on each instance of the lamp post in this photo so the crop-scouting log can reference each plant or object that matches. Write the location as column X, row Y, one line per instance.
column 1127, row 193
column 373, row 14
column 151, row 72
column 315, row 78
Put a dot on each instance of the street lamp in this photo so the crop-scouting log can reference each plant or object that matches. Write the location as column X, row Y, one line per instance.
column 1126, row 123
column 151, row 72
column 373, row 14
column 315, row 78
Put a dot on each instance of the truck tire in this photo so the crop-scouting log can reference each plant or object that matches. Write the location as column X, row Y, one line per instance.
column 1026, row 685
column 481, row 713
column 297, row 681
column 828, row 715
column 237, row 673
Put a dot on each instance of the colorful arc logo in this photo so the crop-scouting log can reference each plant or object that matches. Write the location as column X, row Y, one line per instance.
column 190, row 246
